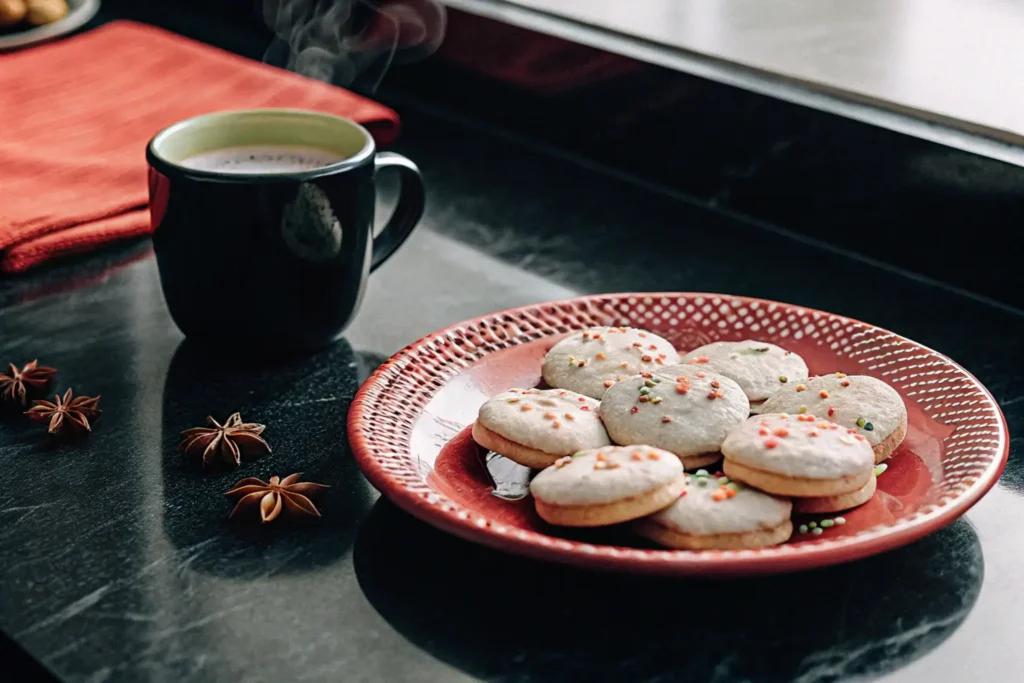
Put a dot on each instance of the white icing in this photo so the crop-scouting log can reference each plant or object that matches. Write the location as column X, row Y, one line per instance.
column 698, row 424
column 805, row 449
column 865, row 397
column 581, row 483
column 562, row 363
column 756, row 372
column 578, row 423
column 699, row 513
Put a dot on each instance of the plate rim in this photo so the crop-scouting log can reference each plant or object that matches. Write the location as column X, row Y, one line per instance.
column 779, row 559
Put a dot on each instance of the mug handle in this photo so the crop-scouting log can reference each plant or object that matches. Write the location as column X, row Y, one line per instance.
column 411, row 203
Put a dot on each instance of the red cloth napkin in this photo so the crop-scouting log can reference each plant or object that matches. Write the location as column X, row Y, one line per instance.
column 75, row 117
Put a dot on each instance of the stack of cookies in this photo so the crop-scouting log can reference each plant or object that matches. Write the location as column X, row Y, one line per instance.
column 629, row 428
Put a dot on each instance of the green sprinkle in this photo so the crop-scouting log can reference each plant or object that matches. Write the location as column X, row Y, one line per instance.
column 702, row 481
column 816, row 532
column 577, row 454
column 826, row 523
column 813, row 525
column 700, row 473
column 753, row 352
column 657, row 381
column 783, row 379
column 861, row 422
column 870, row 427
column 649, row 383
column 840, row 520
column 803, row 409
column 723, row 480
column 734, row 485
column 644, row 391
column 803, row 529
column 656, row 400
column 880, row 468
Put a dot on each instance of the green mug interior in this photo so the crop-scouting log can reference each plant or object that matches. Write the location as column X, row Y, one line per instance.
column 296, row 127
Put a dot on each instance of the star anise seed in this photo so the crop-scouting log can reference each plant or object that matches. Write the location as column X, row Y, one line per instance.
column 66, row 413
column 31, row 381
column 230, row 441
column 288, row 494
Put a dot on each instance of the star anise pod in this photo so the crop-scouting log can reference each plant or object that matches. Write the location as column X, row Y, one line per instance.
column 31, row 381
column 228, row 441
column 288, row 494
column 66, row 413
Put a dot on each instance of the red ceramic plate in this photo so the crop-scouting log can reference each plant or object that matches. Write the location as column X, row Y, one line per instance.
column 409, row 428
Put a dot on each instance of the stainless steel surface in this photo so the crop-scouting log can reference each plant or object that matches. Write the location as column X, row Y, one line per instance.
column 511, row 480
column 944, row 70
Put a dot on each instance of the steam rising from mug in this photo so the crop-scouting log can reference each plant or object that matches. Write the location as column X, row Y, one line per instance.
column 338, row 41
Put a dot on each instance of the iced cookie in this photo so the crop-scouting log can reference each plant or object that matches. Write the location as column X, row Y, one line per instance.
column 607, row 486
column 590, row 361
column 758, row 367
column 681, row 409
column 843, row 501
column 535, row 427
column 798, row 455
column 718, row 513
column 858, row 402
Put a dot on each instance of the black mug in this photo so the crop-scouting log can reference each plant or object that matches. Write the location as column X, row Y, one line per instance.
column 270, row 251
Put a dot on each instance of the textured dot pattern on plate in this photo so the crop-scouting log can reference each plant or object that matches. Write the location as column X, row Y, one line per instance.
column 956, row 446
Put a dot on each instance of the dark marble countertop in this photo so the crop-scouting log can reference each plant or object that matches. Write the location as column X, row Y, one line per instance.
column 117, row 562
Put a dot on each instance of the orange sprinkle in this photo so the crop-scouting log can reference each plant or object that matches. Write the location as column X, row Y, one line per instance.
column 638, row 345
column 586, row 335
column 720, row 394
column 646, row 375
column 608, row 382
column 762, row 423
column 646, row 358
column 581, row 363
column 556, row 424
column 549, row 416
column 597, row 335
column 718, row 495
column 714, row 383
column 644, row 399
column 813, row 432
column 622, row 329
column 858, row 437
column 806, row 418
column 666, row 418
column 833, row 426
column 823, row 393
column 513, row 400
column 781, row 431
column 662, row 356
column 635, row 456
column 525, row 407
column 659, row 361
column 642, row 335
column 600, row 356
column 801, row 387
column 729, row 493
column 700, row 359
column 823, row 425
column 682, row 388
column 653, row 456
column 600, row 465
column 600, row 457
column 770, row 443
column 845, row 383
column 653, row 347
column 587, row 408
column 701, row 375
column 763, row 432
column 623, row 364
column 582, row 399
column 712, row 394
column 612, row 466
column 570, row 417
column 784, row 416
column 840, row 375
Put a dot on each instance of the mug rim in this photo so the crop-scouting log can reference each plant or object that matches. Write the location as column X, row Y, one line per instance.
column 162, row 163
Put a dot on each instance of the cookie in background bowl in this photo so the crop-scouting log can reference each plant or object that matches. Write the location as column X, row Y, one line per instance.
column 758, row 367
column 607, row 486
column 716, row 513
column 798, row 456
column 535, row 427
column 682, row 409
column 868, row 405
column 590, row 361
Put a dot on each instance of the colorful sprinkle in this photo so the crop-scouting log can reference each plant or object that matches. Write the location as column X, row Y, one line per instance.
column 840, row 375
column 635, row 456
column 513, row 400
column 840, row 520
column 831, row 411
column 659, row 361
column 702, row 481
column 653, row 456
column 701, row 375
column 723, row 480
column 718, row 495
column 682, row 385
column 801, row 387
column 783, row 379
column 581, row 399
column 623, row 364
column 733, row 486
column 642, row 335
column 700, row 473
column 827, row 523
column 813, row 525
column 581, row 363
column 781, row 431
column 666, row 418
column 700, row 359
column 803, row 529
column 638, row 345
column 646, row 358
column 784, row 416
column 770, row 443
column 608, row 382
column 646, row 375
column 525, row 407
column 858, row 437
column 644, row 399
column 712, row 394
column 562, row 462
column 816, row 532
column 585, row 408
column 556, row 424
column 763, row 431
column 656, row 400
column 845, row 383
column 586, row 335
column 600, row 356
column 653, row 347
column 861, row 422
column 823, row 393
column 869, row 427
column 634, row 410
column 648, row 383
column 682, row 493
column 715, row 384
column 813, row 432
column 570, row 417
column 549, row 416
column 880, row 468
column 803, row 409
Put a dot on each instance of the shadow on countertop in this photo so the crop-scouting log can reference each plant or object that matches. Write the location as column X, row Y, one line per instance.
column 501, row 617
